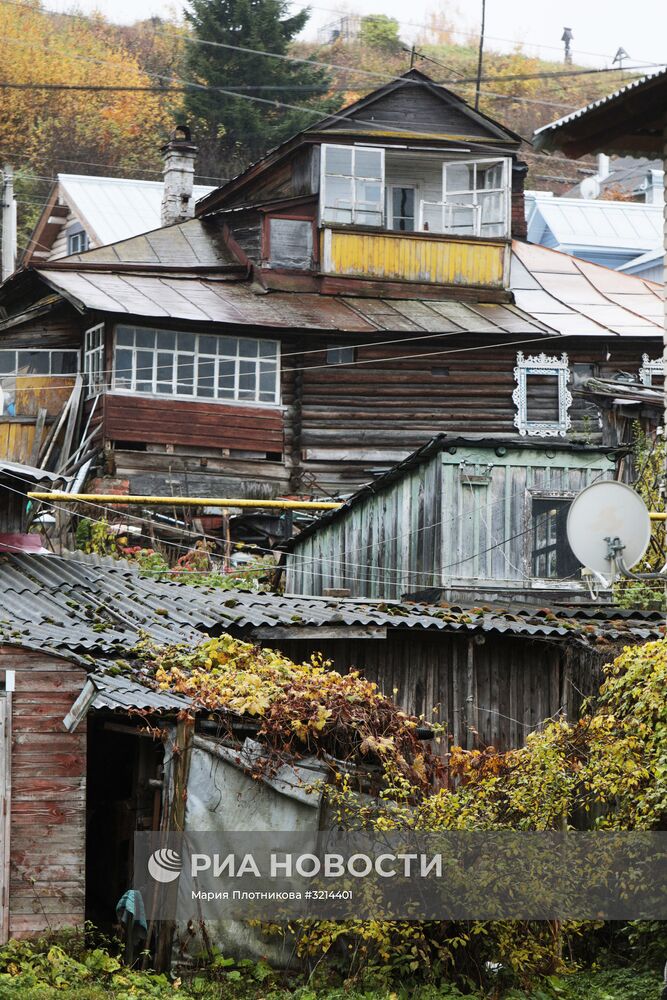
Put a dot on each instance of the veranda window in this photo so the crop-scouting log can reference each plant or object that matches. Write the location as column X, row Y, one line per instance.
column 352, row 185
column 196, row 365
column 475, row 199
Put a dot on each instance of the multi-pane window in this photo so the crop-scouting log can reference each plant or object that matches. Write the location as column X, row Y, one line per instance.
column 552, row 556
column 93, row 360
column 340, row 355
column 196, row 365
column 38, row 362
column 352, row 185
column 475, row 199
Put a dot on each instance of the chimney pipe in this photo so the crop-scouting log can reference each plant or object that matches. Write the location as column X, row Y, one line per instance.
column 179, row 172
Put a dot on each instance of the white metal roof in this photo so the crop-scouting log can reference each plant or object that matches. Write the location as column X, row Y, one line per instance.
column 648, row 259
column 115, row 208
column 594, row 223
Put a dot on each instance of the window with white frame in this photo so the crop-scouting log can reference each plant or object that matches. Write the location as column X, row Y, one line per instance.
column 77, row 239
column 93, row 360
column 196, row 365
column 541, row 396
column 475, row 199
column 352, row 185
column 652, row 368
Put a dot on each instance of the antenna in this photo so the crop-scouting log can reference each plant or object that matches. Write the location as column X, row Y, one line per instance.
column 621, row 54
column 609, row 529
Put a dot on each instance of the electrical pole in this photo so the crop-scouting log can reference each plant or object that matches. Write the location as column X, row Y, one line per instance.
column 8, row 209
column 480, row 58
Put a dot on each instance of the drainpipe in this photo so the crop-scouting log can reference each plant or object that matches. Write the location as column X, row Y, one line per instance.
column 8, row 223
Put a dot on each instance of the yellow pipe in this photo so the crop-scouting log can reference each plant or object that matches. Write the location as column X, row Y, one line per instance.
column 657, row 515
column 183, row 501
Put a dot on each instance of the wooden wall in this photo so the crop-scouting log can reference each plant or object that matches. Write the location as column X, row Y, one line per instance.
column 493, row 694
column 461, row 519
column 48, row 805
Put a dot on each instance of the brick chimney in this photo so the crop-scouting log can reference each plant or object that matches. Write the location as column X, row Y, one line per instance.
column 179, row 173
column 519, row 227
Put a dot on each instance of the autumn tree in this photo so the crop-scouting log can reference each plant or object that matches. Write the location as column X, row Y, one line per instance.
column 227, row 52
column 45, row 131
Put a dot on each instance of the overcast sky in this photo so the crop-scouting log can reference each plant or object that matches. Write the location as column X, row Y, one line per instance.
column 599, row 27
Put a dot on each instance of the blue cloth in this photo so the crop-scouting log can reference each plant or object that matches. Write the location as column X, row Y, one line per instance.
column 131, row 904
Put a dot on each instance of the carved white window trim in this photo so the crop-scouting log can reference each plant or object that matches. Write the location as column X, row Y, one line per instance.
column 542, row 364
column 651, row 367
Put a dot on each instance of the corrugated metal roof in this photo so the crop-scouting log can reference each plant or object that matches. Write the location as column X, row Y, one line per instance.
column 575, row 297
column 543, row 135
column 222, row 301
column 95, row 609
column 28, row 472
column 578, row 223
column 115, row 208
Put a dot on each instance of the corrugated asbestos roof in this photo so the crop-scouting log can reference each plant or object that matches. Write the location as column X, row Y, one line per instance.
column 210, row 299
column 120, row 693
column 581, row 222
column 28, row 472
column 95, row 609
column 115, row 208
column 575, row 297
column 543, row 135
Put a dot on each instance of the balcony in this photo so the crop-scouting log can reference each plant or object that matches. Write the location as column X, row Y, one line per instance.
column 415, row 257
column 402, row 215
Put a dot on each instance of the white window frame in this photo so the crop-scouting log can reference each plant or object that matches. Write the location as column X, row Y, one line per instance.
column 542, row 364
column 80, row 236
column 194, row 356
column 93, row 360
column 353, row 177
column 651, row 367
column 41, row 350
column 447, row 207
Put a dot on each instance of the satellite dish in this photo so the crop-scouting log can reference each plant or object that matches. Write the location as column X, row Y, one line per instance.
column 608, row 510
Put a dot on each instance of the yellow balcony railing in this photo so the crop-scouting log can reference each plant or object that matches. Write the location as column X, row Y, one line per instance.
column 418, row 257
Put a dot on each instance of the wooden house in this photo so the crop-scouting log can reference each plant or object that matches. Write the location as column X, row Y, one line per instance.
column 361, row 288
column 80, row 774
column 84, row 211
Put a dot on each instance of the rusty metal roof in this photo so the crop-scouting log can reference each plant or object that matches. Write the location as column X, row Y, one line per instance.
column 576, row 298
column 555, row 294
column 94, row 610
column 212, row 299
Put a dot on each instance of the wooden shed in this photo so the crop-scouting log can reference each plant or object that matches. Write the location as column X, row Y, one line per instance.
column 472, row 519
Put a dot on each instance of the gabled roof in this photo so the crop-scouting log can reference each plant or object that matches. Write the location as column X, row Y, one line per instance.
column 588, row 223
column 629, row 121
column 446, row 118
column 115, row 208
column 108, row 208
column 429, row 109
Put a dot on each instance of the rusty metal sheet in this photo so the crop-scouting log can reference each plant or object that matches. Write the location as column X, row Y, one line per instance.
column 537, row 258
column 509, row 319
column 572, row 289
